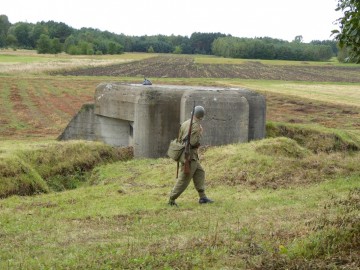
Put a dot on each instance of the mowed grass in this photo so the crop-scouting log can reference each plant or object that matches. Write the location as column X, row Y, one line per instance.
column 335, row 93
column 92, row 228
column 18, row 62
column 122, row 221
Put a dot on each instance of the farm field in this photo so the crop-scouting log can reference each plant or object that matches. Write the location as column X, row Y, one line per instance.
column 26, row 61
column 36, row 104
column 164, row 66
column 33, row 107
column 290, row 201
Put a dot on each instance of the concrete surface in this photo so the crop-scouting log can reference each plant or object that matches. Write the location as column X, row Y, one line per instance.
column 147, row 117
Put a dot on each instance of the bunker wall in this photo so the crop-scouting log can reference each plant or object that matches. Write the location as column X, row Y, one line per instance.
column 226, row 118
column 116, row 100
column 148, row 117
column 157, row 113
column 86, row 125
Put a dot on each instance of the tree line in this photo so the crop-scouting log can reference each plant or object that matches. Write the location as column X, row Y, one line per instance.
column 269, row 48
column 55, row 37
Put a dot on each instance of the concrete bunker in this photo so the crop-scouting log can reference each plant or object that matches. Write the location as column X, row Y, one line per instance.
column 147, row 117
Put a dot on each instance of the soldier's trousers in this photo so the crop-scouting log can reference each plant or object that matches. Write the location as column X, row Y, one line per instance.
column 197, row 173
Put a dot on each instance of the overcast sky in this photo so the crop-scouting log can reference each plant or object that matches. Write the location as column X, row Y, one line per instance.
column 283, row 19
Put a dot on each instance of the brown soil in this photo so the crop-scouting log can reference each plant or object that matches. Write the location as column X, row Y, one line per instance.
column 38, row 112
column 185, row 67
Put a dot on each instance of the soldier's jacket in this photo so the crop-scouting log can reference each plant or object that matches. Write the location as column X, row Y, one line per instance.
column 194, row 138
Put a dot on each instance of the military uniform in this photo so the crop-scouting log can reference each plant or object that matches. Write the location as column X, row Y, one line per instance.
column 197, row 173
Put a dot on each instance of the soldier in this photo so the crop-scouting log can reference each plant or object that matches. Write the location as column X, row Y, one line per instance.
column 197, row 173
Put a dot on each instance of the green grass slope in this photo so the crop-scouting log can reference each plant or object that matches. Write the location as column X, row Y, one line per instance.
column 315, row 137
column 278, row 205
column 33, row 168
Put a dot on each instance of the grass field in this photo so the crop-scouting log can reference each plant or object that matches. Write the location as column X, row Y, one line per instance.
column 17, row 62
column 334, row 93
column 290, row 201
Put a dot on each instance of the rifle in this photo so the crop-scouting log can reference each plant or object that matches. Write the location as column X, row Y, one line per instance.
column 187, row 144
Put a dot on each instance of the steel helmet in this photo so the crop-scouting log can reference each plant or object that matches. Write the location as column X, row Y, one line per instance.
column 199, row 112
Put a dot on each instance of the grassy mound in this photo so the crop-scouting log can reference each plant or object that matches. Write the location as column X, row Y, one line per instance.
column 317, row 139
column 270, row 163
column 17, row 177
column 303, row 155
column 53, row 166
column 275, row 162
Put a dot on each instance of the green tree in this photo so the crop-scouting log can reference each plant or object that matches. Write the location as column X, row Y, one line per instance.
column 100, row 47
column 58, row 30
column 22, row 33
column 151, row 49
column 298, row 39
column 70, row 42
column 266, row 48
column 73, row 50
column 11, row 41
column 119, row 48
column 177, row 50
column 343, row 54
column 38, row 30
column 44, row 44
column 112, row 48
column 202, row 42
column 349, row 23
column 86, row 48
column 47, row 45
column 332, row 43
column 4, row 28
column 56, row 46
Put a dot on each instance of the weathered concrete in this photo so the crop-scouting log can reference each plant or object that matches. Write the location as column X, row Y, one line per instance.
column 147, row 117
column 116, row 100
column 257, row 114
column 227, row 115
column 157, row 112
column 86, row 125
column 82, row 126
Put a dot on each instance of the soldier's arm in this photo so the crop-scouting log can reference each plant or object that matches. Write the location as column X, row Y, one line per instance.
column 196, row 134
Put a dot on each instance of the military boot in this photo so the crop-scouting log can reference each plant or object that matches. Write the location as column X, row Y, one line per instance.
column 205, row 200
column 172, row 203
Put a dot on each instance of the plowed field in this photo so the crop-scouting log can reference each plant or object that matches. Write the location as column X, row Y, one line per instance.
column 33, row 107
column 186, row 67
column 42, row 106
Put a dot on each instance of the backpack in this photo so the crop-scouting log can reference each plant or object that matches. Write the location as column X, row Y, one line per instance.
column 176, row 151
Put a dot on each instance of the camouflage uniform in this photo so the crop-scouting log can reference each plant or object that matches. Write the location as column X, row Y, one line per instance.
column 197, row 173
